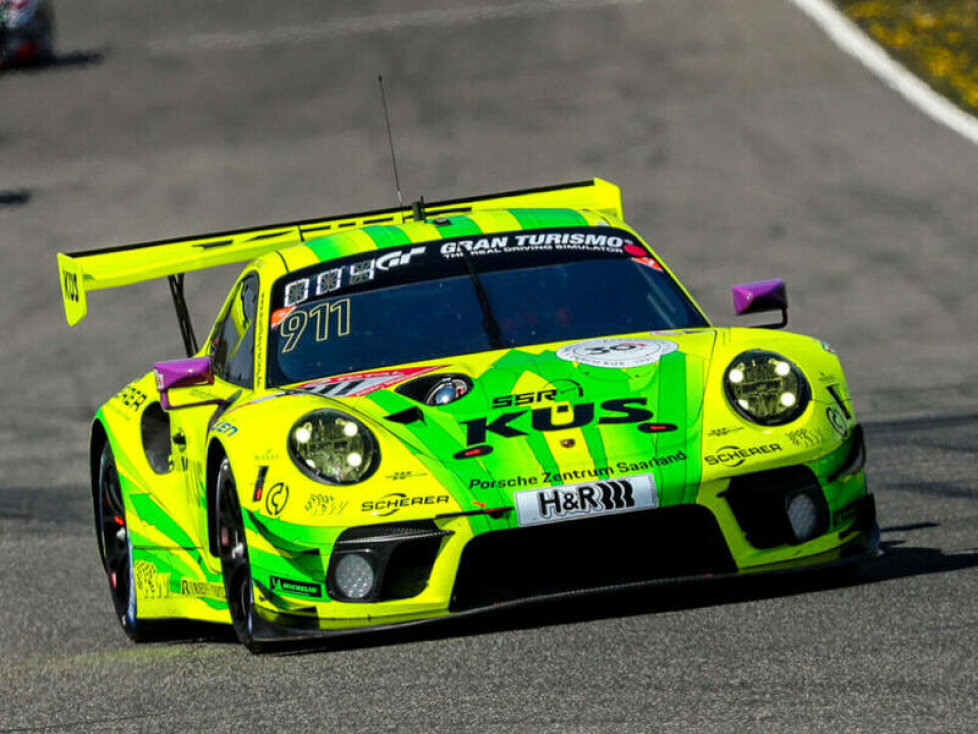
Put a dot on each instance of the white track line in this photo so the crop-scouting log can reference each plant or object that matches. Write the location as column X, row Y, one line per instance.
column 847, row 36
column 290, row 35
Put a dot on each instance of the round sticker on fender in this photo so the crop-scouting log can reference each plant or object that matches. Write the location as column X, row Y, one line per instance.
column 617, row 353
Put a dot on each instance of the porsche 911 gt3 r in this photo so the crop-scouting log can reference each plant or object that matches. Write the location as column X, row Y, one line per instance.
column 410, row 414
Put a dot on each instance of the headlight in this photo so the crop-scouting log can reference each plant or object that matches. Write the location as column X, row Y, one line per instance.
column 333, row 447
column 766, row 388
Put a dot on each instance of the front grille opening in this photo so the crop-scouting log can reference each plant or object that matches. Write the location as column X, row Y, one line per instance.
column 759, row 503
column 408, row 568
column 584, row 554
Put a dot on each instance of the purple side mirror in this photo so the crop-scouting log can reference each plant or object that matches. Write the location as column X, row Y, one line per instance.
column 762, row 296
column 183, row 373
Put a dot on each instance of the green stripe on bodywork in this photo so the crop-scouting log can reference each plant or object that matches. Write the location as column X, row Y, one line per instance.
column 309, row 563
column 335, row 245
column 174, row 561
column 672, row 409
column 439, row 428
column 458, row 227
column 501, row 379
column 151, row 513
column 387, row 236
column 160, row 573
column 544, row 218
column 303, row 537
column 695, row 389
column 516, row 361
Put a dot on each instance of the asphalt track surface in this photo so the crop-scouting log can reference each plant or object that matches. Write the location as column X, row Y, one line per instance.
column 747, row 147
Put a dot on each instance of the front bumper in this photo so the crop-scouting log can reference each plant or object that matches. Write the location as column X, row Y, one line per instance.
column 529, row 566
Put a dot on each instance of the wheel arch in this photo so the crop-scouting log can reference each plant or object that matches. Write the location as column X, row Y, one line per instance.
column 99, row 437
column 216, row 453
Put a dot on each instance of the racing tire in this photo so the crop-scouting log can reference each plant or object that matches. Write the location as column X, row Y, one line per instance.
column 115, row 548
column 233, row 551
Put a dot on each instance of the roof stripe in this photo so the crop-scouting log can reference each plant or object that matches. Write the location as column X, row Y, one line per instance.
column 498, row 220
column 387, row 236
column 540, row 218
column 459, row 226
column 382, row 236
column 341, row 244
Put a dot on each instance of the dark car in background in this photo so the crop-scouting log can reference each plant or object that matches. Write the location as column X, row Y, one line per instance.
column 26, row 32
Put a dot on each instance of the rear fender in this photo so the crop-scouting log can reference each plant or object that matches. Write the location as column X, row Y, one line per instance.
column 161, row 509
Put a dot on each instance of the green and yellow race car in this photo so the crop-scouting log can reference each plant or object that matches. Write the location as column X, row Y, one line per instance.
column 409, row 414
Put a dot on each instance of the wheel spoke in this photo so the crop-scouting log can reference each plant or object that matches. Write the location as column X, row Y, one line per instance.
column 113, row 522
column 113, row 504
column 109, row 488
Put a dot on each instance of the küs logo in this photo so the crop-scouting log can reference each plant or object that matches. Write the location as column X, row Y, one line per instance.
column 554, row 418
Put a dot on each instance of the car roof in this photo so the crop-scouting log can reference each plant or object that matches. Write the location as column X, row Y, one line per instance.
column 387, row 234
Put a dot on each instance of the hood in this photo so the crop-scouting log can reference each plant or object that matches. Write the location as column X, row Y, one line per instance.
column 574, row 412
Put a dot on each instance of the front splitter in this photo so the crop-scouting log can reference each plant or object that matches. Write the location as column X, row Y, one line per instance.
column 861, row 546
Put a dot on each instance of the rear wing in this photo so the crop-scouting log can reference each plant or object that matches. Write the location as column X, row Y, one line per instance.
column 112, row 267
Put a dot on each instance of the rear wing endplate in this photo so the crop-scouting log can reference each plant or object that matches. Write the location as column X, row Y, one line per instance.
column 112, row 267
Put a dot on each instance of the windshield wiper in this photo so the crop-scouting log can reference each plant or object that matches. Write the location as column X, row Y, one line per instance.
column 489, row 323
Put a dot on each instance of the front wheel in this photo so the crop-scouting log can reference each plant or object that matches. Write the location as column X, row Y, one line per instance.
column 233, row 550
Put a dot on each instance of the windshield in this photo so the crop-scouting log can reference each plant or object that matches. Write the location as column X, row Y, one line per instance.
column 422, row 302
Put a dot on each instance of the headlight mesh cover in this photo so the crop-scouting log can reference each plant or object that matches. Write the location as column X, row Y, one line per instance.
column 333, row 447
column 766, row 388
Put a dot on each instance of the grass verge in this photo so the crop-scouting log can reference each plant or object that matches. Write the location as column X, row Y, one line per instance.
column 935, row 39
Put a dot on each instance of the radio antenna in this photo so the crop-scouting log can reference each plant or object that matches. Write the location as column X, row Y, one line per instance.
column 390, row 139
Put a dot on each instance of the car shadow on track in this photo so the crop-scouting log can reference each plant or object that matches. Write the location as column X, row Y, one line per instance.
column 59, row 61
column 14, row 197
column 895, row 561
